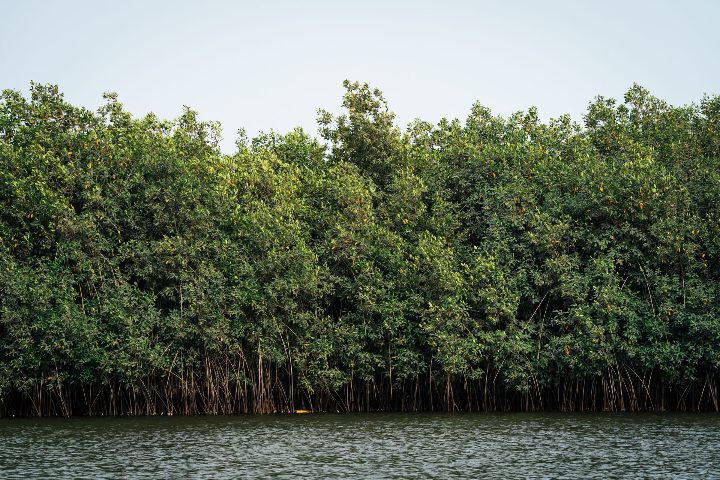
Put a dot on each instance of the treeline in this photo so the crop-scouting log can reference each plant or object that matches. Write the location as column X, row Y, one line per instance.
column 495, row 264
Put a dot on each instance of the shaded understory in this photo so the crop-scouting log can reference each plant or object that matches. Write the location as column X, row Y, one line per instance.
column 219, row 397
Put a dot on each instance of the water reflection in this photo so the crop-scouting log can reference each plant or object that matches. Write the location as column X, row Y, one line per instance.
column 364, row 446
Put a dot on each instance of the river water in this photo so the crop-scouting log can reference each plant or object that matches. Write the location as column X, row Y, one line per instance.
column 365, row 446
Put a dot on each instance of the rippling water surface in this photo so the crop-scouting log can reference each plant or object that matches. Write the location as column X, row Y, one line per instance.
column 364, row 446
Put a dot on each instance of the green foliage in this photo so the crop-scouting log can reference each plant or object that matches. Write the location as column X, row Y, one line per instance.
column 143, row 271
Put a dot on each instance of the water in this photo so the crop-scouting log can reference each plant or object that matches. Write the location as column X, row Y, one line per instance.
column 364, row 446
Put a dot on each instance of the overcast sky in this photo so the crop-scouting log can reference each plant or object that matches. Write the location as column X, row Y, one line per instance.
column 270, row 65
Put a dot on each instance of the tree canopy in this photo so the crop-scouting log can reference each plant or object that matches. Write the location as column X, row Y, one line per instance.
column 500, row 263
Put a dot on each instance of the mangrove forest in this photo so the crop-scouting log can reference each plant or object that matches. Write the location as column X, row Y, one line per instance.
column 500, row 263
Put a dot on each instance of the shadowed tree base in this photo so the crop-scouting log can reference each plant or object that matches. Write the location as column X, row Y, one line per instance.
column 606, row 394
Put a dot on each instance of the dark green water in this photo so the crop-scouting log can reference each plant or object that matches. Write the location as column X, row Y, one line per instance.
column 365, row 446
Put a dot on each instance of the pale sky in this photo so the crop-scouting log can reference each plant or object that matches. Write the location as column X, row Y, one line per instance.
column 270, row 65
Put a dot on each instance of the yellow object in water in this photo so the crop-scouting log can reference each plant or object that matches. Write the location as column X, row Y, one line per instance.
column 302, row 411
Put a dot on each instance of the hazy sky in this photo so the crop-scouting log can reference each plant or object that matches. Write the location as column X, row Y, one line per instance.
column 271, row 65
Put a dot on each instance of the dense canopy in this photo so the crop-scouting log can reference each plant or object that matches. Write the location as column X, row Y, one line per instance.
column 492, row 264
